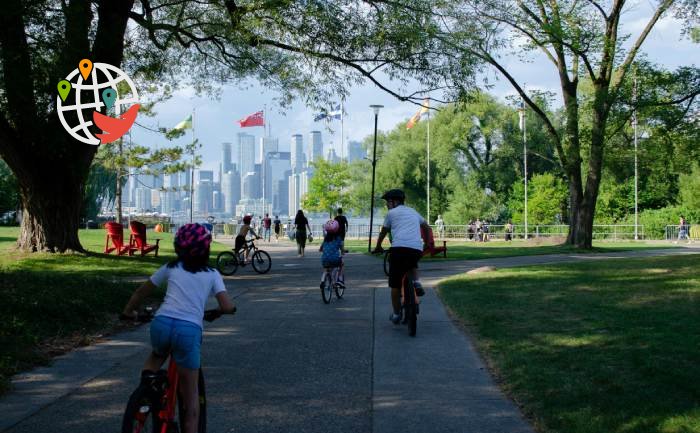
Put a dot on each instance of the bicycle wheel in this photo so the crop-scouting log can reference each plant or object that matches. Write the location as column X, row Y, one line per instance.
column 327, row 288
column 339, row 287
column 261, row 262
column 202, row 424
column 410, row 307
column 386, row 262
column 226, row 263
column 141, row 414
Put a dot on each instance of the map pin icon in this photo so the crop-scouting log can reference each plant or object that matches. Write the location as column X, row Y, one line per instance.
column 64, row 89
column 85, row 67
column 109, row 96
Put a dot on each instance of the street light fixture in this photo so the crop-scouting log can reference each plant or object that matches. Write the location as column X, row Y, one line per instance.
column 376, row 109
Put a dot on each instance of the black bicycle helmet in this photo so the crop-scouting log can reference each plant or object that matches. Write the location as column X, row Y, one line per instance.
column 394, row 194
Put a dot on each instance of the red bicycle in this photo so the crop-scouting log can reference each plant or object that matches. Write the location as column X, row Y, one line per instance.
column 156, row 404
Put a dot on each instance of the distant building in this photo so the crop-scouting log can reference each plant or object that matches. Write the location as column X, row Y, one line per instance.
column 246, row 148
column 143, row 199
column 231, row 191
column 298, row 187
column 297, row 153
column 203, row 197
column 251, row 186
column 253, row 207
column 332, row 156
column 355, row 151
column 265, row 146
column 315, row 146
column 278, row 166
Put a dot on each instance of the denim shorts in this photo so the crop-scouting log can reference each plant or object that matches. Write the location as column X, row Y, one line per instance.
column 179, row 338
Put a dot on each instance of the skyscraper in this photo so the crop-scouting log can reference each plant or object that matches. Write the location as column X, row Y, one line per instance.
column 231, row 191
column 246, row 148
column 297, row 153
column 226, row 162
column 203, row 197
column 355, row 151
column 265, row 146
column 315, row 146
column 278, row 165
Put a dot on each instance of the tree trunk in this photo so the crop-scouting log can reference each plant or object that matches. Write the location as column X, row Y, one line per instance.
column 118, row 192
column 50, row 212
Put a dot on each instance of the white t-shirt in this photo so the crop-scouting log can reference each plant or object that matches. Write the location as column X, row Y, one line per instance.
column 186, row 293
column 404, row 224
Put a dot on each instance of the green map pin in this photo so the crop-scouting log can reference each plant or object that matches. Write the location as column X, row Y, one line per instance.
column 109, row 96
column 64, row 89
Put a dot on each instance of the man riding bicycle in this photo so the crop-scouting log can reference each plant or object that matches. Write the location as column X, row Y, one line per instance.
column 406, row 245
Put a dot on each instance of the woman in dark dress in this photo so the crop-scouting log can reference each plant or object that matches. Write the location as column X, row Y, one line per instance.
column 301, row 224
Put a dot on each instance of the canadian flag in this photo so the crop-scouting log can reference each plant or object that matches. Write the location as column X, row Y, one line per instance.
column 255, row 119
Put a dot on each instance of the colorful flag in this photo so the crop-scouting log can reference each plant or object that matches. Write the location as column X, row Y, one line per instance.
column 255, row 119
column 185, row 124
column 416, row 117
column 336, row 114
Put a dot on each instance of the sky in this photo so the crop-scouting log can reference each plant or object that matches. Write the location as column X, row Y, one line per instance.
column 215, row 120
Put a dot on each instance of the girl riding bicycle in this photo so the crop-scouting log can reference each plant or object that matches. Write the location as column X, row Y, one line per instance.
column 177, row 327
column 243, row 235
column 332, row 249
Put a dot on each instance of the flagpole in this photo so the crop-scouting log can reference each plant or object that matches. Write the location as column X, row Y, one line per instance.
column 342, row 131
column 192, row 174
column 428, row 166
column 525, row 160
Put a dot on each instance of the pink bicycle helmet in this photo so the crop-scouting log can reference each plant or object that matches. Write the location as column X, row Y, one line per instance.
column 331, row 226
column 193, row 239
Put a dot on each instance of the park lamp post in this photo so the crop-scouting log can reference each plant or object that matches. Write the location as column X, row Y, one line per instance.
column 376, row 109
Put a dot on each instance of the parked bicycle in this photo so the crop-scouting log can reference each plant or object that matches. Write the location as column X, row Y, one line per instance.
column 157, row 402
column 228, row 262
column 332, row 281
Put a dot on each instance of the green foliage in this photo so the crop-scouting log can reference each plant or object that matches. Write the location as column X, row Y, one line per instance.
column 469, row 201
column 546, row 198
column 326, row 187
column 100, row 188
column 9, row 190
column 690, row 188
column 357, row 195
column 656, row 220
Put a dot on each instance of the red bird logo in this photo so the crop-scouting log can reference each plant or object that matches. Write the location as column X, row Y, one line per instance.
column 114, row 128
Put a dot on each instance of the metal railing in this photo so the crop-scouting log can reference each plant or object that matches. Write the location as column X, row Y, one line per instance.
column 691, row 232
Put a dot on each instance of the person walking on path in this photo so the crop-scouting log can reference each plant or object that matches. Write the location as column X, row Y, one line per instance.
column 440, row 225
column 342, row 225
column 301, row 224
column 177, row 328
column 509, row 231
column 278, row 227
column 683, row 229
column 267, row 224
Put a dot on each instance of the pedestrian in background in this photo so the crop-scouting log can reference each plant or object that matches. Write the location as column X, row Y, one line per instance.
column 301, row 224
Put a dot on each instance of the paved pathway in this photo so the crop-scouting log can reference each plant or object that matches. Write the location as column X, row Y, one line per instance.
column 288, row 363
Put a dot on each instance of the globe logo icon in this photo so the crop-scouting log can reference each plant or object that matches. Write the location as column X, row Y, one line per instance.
column 86, row 96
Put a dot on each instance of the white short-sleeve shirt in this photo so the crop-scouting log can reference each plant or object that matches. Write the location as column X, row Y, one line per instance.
column 404, row 224
column 186, row 292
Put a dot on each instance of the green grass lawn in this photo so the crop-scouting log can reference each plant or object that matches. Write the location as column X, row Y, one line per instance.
column 593, row 347
column 53, row 302
column 459, row 250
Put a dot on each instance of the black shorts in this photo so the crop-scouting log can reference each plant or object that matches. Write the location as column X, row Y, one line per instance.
column 240, row 243
column 402, row 260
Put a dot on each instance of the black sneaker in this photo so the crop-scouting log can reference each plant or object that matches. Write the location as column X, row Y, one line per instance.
column 395, row 318
column 419, row 288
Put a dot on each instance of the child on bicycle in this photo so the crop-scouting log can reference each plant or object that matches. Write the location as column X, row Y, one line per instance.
column 176, row 329
column 243, row 233
column 332, row 249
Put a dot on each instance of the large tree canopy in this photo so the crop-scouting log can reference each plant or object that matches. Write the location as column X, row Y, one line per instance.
column 308, row 49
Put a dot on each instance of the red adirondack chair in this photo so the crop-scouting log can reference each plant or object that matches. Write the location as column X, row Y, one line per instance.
column 115, row 232
column 137, row 240
column 429, row 244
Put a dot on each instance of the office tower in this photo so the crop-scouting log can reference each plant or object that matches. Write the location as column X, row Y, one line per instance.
column 207, row 175
column 251, row 186
column 315, row 146
column 185, row 183
column 246, row 149
column 265, row 146
column 298, row 187
column 355, row 151
column 216, row 200
column 280, row 201
column 277, row 165
column 203, row 196
column 226, row 161
column 297, row 153
column 143, row 199
column 231, row 190
column 332, row 156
